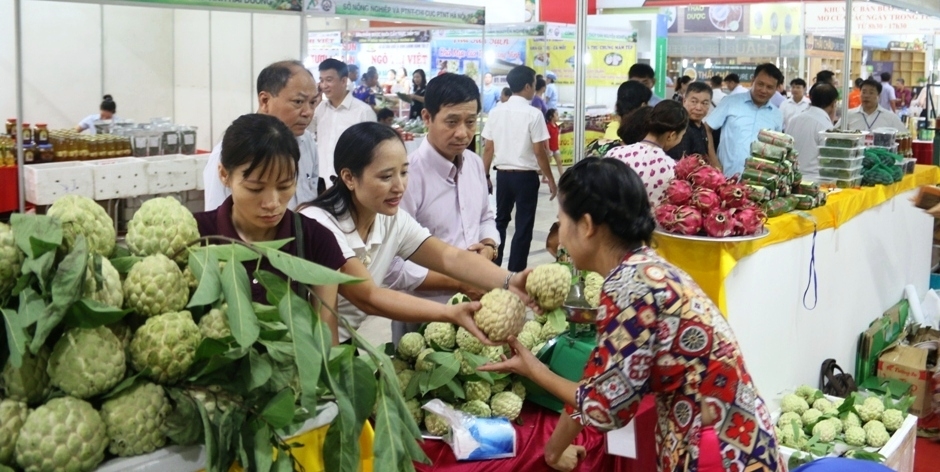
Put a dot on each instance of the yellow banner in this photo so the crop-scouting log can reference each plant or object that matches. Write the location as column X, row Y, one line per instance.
column 775, row 19
column 608, row 65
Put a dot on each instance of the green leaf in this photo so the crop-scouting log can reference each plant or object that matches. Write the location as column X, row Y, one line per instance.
column 205, row 268
column 280, row 351
column 266, row 313
column 120, row 251
column 124, row 264
column 66, row 289
column 556, row 319
column 241, row 316
column 304, row 271
column 42, row 267
column 31, row 307
column 125, row 384
column 183, row 423
column 457, row 389
column 17, row 338
column 343, row 442
column 217, row 363
column 284, row 463
column 279, row 411
column 36, row 235
column 209, row 348
column 389, row 447
column 210, row 438
column 88, row 313
column 259, row 453
column 260, row 372
column 411, row 390
column 277, row 244
column 233, row 252
column 447, row 369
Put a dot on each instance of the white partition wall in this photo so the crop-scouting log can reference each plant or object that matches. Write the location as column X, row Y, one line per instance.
column 191, row 72
column 274, row 38
column 230, row 60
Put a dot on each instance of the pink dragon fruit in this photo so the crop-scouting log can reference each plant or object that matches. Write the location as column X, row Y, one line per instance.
column 665, row 215
column 734, row 194
column 718, row 224
column 688, row 221
column 708, row 177
column 687, row 165
column 679, row 192
column 705, row 200
column 748, row 220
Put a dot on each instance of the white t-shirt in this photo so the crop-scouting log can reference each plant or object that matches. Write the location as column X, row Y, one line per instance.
column 307, row 173
column 328, row 125
column 399, row 235
column 790, row 109
column 514, row 127
column 88, row 123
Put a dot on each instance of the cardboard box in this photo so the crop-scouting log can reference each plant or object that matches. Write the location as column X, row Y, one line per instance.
column 910, row 365
column 880, row 334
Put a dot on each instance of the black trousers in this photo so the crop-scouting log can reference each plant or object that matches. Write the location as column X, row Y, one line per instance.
column 519, row 189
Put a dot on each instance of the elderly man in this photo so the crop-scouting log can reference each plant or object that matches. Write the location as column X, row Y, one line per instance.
column 446, row 190
column 287, row 91
column 871, row 115
column 697, row 138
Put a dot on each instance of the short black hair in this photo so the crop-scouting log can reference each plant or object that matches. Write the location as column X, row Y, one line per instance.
column 630, row 96
column 798, row 81
column 698, row 87
column 641, row 71
column 871, row 83
column 613, row 194
column 716, row 81
column 540, row 83
column 858, row 82
column 384, row 114
column 352, row 68
column 450, row 89
column 886, row 77
column 665, row 117
column 274, row 78
column 825, row 76
column 733, row 78
column 771, row 70
column 335, row 64
column 549, row 113
column 519, row 77
column 823, row 95
column 263, row 142
column 107, row 104
column 506, row 92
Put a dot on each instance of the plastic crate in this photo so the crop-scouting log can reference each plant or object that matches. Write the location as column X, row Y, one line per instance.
column 839, row 183
column 201, row 161
column 837, row 173
column 171, row 173
column 844, row 140
column 840, row 152
column 840, row 162
column 45, row 183
column 120, row 177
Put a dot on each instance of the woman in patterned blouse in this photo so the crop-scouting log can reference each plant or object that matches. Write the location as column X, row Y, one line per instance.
column 657, row 333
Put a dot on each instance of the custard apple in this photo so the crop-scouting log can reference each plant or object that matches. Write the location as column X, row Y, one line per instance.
column 443, row 335
column 166, row 345
column 493, row 353
column 593, row 282
column 468, row 342
column 877, row 437
column 65, row 434
column 538, row 348
column 414, row 407
column 477, row 390
column 87, row 362
column 190, row 277
column 786, row 419
column 155, row 286
column 855, row 436
column 215, row 400
column 540, row 318
column 109, row 290
column 851, row 419
column 533, row 327
column 125, row 334
column 422, row 365
column 29, row 383
column 477, row 408
column 458, row 298
column 794, row 403
column 783, row 435
column 82, row 215
column 162, row 226
column 11, row 259
column 822, row 404
column 135, row 419
column 892, row 419
column 836, row 424
column 400, row 365
column 435, row 424
column 825, row 431
column 502, row 314
column 519, row 389
column 811, row 416
column 806, row 392
column 870, row 410
column 548, row 285
column 874, row 424
column 528, row 339
column 12, row 416
column 506, row 404
column 465, row 367
column 410, row 345
column 214, row 325
column 500, row 385
column 404, row 378
column 548, row 332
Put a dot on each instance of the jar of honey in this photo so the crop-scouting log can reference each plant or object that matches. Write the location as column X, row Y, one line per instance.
column 27, row 133
column 11, row 128
column 29, row 152
column 94, row 148
column 41, row 135
column 45, row 153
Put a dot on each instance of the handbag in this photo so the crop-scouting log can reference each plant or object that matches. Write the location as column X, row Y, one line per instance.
column 836, row 384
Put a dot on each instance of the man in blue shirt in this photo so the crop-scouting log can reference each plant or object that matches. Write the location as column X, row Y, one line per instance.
column 740, row 117
column 490, row 93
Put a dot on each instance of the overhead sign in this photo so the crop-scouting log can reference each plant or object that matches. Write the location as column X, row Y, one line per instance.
column 867, row 18
column 269, row 5
column 391, row 10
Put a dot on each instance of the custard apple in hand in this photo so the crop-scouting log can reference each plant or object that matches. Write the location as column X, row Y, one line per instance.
column 87, row 362
column 549, row 285
column 82, row 215
column 162, row 226
column 135, row 419
column 166, row 345
column 501, row 315
column 155, row 286
column 593, row 283
column 65, row 434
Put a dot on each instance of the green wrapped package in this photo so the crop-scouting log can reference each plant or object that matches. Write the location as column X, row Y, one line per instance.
column 805, row 202
column 775, row 138
column 761, row 164
column 759, row 193
column 768, row 151
column 757, row 177
column 806, row 187
column 779, row 206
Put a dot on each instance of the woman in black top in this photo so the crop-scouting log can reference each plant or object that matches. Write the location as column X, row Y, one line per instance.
column 417, row 98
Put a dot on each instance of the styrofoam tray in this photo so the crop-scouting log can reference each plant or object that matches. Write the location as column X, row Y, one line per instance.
column 121, row 177
column 170, row 173
column 45, row 183
column 201, row 161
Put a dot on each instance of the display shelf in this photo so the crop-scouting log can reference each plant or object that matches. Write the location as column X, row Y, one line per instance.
column 908, row 65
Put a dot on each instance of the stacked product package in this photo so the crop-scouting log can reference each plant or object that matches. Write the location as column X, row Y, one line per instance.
column 773, row 175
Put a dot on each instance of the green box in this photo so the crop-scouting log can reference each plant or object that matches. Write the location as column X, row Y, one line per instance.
column 880, row 334
column 567, row 357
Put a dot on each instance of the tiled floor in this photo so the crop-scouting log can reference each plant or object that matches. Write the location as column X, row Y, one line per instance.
column 378, row 330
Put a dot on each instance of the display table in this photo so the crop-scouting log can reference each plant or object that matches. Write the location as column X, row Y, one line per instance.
column 869, row 243
column 534, row 432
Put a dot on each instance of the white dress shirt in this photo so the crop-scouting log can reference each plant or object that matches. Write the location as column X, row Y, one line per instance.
column 880, row 118
column 451, row 202
column 739, row 89
column 307, row 173
column 717, row 95
column 791, row 108
column 805, row 128
column 328, row 125
column 391, row 236
column 514, row 127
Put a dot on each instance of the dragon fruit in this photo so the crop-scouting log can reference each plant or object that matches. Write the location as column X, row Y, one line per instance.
column 665, row 215
column 705, row 200
column 748, row 220
column 718, row 224
column 708, row 177
column 687, row 165
column 688, row 221
column 679, row 192
column 734, row 194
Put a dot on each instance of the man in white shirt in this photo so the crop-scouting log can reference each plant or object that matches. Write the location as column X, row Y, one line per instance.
column 887, row 97
column 446, row 191
column 871, row 116
column 336, row 113
column 717, row 92
column 517, row 136
column 287, row 91
column 733, row 84
column 796, row 104
column 805, row 127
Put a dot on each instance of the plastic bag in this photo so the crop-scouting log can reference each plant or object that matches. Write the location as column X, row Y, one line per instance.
column 473, row 438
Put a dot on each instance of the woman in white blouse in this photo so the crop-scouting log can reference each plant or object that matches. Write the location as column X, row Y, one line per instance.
column 362, row 211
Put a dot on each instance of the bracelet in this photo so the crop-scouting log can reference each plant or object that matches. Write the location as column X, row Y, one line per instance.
column 508, row 278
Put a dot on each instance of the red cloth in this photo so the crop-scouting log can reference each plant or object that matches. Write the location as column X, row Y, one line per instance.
column 537, row 426
column 553, row 132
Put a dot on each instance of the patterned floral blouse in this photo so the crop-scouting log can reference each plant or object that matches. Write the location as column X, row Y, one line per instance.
column 658, row 333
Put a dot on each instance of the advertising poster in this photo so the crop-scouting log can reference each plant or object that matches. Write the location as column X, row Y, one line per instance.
column 714, row 19
column 390, row 58
column 610, row 62
column 457, row 55
column 501, row 54
column 322, row 46
column 769, row 19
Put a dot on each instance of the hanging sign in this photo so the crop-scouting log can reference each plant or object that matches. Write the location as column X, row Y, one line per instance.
column 269, row 5
column 391, row 10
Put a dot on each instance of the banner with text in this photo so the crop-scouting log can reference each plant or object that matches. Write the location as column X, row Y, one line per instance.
column 392, row 10
column 323, row 45
column 608, row 67
column 269, row 5
column 868, row 18
column 388, row 57
column 457, row 55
